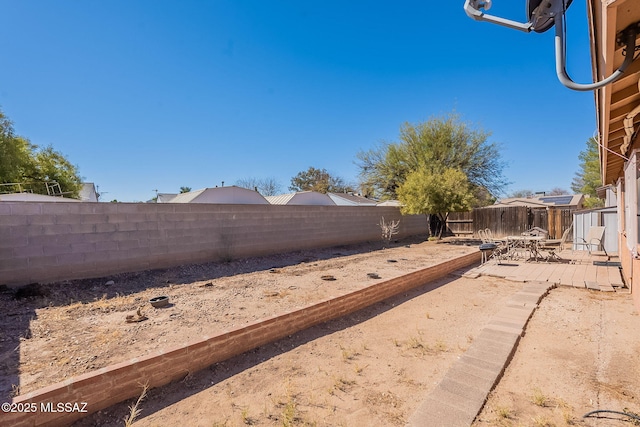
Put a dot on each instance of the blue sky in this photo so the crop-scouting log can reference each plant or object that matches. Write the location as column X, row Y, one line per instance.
column 159, row 94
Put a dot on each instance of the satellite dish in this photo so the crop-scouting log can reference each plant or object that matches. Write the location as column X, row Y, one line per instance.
column 544, row 14
column 541, row 13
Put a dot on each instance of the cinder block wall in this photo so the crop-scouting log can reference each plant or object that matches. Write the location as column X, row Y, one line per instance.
column 45, row 242
column 115, row 383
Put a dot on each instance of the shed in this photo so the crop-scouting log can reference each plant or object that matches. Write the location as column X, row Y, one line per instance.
column 350, row 199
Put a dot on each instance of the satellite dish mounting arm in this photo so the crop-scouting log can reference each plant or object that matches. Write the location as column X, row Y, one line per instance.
column 542, row 15
column 626, row 37
column 472, row 8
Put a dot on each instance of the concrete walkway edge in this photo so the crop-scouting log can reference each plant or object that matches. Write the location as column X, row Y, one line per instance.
column 460, row 396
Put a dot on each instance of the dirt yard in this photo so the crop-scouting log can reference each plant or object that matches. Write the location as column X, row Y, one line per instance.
column 372, row 368
column 580, row 353
column 52, row 332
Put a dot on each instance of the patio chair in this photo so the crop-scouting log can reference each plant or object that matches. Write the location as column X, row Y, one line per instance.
column 497, row 247
column 489, row 234
column 555, row 246
column 595, row 235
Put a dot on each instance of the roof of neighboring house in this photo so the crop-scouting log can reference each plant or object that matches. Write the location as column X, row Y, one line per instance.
column 349, row 199
column 31, row 197
column 221, row 195
column 395, row 203
column 542, row 201
column 165, row 197
column 88, row 192
column 619, row 100
column 187, row 197
column 308, row 198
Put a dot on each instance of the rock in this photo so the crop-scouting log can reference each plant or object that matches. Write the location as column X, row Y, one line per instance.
column 109, row 283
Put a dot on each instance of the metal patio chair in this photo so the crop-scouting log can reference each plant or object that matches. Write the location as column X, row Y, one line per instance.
column 595, row 236
column 555, row 246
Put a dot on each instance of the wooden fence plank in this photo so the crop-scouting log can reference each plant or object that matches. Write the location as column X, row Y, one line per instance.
column 510, row 220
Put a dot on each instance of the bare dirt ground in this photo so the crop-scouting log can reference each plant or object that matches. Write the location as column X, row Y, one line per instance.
column 373, row 368
column 580, row 353
column 52, row 332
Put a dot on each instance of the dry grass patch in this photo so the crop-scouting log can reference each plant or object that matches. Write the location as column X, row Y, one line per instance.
column 417, row 344
column 538, row 398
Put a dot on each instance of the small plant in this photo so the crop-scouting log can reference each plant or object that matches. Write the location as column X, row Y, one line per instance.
column 538, row 398
column 389, row 229
column 289, row 413
column 358, row 369
column 342, row 384
column 246, row 419
column 134, row 410
column 348, row 354
column 504, row 413
column 568, row 418
column 541, row 421
column 440, row 346
column 416, row 343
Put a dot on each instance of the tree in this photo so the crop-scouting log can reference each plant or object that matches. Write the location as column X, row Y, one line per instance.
column 22, row 162
column 589, row 178
column 185, row 189
column 426, row 192
column 52, row 166
column 438, row 166
column 318, row 180
column 436, row 144
column 16, row 159
column 265, row 186
column 521, row 194
column 558, row 191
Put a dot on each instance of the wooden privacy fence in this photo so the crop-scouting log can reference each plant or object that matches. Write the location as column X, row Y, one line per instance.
column 512, row 220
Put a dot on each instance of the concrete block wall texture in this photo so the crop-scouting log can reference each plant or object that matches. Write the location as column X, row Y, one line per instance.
column 116, row 383
column 46, row 242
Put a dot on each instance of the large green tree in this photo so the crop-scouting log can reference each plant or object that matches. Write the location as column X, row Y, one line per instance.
column 33, row 168
column 439, row 143
column 428, row 158
column 588, row 178
column 318, row 180
column 427, row 192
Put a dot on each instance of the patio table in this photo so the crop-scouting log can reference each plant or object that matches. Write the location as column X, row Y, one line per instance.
column 517, row 244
